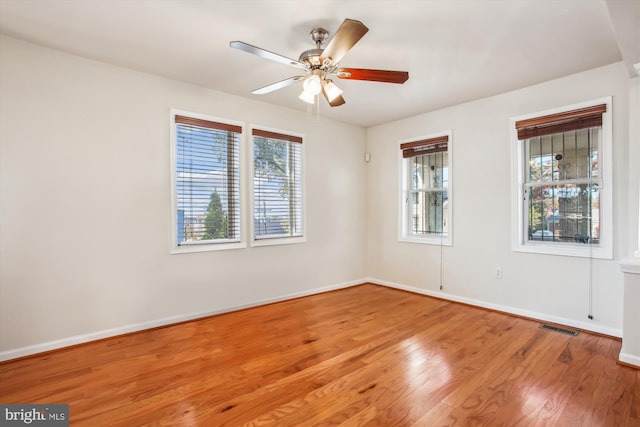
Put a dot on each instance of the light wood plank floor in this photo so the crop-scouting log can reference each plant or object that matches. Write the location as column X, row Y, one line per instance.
column 366, row 355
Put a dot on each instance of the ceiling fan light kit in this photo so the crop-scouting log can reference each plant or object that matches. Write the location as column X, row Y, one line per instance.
column 312, row 84
column 331, row 89
column 307, row 97
column 321, row 63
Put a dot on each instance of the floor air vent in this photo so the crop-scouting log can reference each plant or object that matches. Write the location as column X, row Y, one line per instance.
column 560, row 330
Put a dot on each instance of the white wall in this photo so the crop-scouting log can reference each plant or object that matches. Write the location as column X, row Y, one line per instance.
column 634, row 168
column 85, row 209
column 85, row 204
column 548, row 287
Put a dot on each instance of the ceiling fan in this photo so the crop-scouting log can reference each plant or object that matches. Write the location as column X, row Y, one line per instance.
column 320, row 64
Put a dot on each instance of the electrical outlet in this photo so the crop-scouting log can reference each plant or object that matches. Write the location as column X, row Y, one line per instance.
column 498, row 273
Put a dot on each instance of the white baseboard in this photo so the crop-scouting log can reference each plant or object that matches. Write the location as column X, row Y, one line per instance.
column 605, row 330
column 107, row 333
column 629, row 359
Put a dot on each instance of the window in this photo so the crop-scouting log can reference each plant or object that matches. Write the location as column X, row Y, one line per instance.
column 206, row 190
column 564, row 193
column 277, row 186
column 426, row 190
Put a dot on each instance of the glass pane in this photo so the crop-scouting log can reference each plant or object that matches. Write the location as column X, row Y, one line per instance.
column 583, row 151
column 541, row 159
column 207, row 184
column 565, row 213
column 430, row 171
column 563, row 156
column 429, row 211
column 277, row 184
column 593, row 151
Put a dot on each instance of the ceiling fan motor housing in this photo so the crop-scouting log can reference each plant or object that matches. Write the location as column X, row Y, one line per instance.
column 311, row 57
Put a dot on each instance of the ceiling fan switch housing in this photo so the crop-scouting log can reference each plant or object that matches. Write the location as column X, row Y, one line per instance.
column 311, row 57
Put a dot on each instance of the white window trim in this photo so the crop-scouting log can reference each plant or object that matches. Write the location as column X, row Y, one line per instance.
column 519, row 238
column 174, row 248
column 275, row 240
column 403, row 226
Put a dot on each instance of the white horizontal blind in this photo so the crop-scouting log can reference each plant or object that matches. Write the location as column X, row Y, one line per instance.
column 207, row 181
column 277, row 185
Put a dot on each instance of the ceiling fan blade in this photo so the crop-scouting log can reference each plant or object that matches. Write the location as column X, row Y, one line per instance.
column 245, row 47
column 384, row 76
column 278, row 85
column 337, row 101
column 349, row 33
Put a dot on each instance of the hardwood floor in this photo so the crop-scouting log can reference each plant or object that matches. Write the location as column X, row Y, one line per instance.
column 366, row 355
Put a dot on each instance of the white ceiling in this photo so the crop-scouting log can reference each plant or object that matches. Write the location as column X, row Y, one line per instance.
column 454, row 50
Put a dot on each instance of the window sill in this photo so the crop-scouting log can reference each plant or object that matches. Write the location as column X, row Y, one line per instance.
column 570, row 250
column 187, row 249
column 436, row 241
column 272, row 241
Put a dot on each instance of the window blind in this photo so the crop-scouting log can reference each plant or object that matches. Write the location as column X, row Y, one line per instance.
column 276, row 136
column 207, row 181
column 277, row 185
column 567, row 121
column 425, row 146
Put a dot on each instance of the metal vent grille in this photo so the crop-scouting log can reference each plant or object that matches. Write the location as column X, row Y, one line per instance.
column 560, row 330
